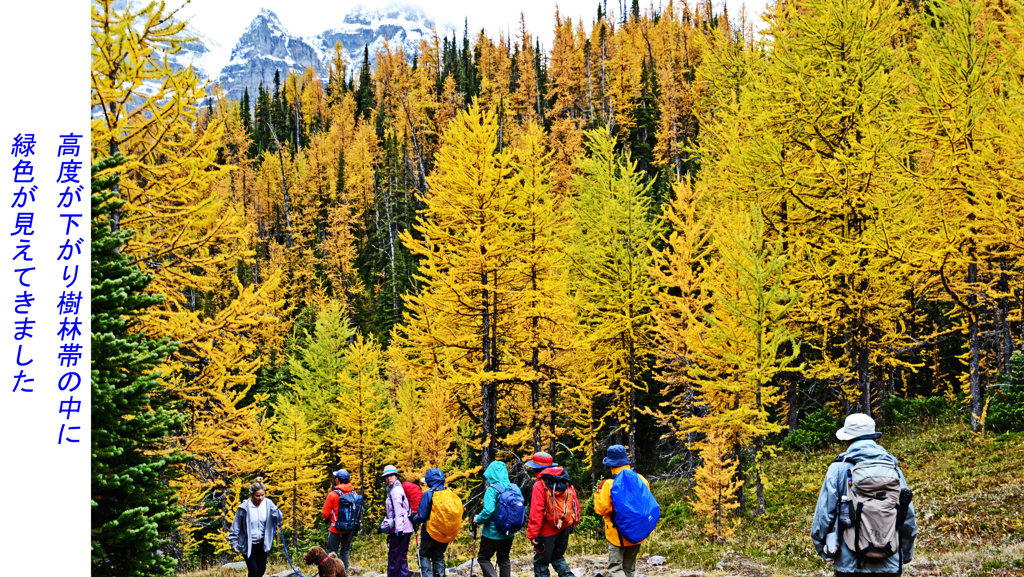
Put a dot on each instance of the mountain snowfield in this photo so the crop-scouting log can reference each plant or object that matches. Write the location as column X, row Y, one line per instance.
column 266, row 46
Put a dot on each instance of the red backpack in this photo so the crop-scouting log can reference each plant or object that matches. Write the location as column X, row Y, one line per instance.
column 414, row 493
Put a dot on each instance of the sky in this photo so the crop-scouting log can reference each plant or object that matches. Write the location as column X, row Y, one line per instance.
column 224, row 21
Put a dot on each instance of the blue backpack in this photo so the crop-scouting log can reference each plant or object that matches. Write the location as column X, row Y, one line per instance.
column 636, row 511
column 350, row 512
column 510, row 513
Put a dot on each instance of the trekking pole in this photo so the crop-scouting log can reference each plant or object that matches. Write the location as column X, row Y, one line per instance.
column 473, row 550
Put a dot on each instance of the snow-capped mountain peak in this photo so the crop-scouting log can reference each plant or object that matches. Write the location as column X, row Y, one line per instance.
column 266, row 46
column 270, row 20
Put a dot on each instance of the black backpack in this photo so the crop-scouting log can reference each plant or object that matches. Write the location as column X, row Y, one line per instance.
column 350, row 511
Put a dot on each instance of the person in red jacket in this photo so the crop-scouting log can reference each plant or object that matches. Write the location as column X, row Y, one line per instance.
column 338, row 542
column 549, row 541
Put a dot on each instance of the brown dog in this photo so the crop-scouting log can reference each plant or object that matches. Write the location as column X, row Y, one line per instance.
column 328, row 565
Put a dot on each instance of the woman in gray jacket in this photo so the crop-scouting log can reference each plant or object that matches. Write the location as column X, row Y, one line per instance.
column 252, row 532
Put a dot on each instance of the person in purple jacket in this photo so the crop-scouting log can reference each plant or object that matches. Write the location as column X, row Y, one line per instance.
column 396, row 524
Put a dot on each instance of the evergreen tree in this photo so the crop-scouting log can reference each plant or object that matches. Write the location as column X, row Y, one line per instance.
column 261, row 119
column 244, row 111
column 365, row 95
column 1006, row 406
column 642, row 137
column 133, row 507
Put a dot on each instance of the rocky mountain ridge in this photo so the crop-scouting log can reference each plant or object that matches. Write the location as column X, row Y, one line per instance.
column 267, row 47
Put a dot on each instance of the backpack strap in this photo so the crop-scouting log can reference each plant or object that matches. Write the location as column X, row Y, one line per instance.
column 394, row 514
column 839, row 495
column 856, row 538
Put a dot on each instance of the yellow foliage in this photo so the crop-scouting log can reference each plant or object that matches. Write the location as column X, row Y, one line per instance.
column 716, row 488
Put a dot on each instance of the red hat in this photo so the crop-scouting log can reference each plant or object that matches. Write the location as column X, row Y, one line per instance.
column 540, row 460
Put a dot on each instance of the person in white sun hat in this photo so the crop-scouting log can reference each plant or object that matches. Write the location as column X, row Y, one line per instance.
column 864, row 522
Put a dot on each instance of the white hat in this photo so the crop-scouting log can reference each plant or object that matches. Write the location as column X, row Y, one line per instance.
column 857, row 426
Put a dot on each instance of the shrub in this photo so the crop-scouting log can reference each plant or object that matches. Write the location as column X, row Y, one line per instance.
column 815, row 430
column 1006, row 404
column 896, row 410
column 590, row 521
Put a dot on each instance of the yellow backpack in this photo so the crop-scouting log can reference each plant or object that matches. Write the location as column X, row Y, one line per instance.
column 445, row 516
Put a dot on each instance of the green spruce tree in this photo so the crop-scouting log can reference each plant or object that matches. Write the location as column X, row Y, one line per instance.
column 133, row 507
column 1006, row 406
column 365, row 97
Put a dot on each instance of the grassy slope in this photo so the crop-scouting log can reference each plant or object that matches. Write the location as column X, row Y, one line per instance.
column 969, row 497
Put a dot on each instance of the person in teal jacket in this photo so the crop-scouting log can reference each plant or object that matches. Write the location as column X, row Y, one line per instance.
column 492, row 540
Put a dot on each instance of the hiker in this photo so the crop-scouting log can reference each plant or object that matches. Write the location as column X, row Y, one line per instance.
column 397, row 524
column 440, row 514
column 554, row 512
column 864, row 522
column 503, row 513
column 252, row 531
column 620, row 500
column 343, row 511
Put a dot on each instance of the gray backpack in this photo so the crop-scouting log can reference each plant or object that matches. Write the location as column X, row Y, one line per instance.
column 872, row 509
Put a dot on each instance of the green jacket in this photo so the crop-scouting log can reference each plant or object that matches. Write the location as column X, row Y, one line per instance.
column 496, row 474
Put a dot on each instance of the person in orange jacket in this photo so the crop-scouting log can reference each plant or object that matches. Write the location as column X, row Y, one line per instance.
column 338, row 542
column 549, row 542
column 622, row 553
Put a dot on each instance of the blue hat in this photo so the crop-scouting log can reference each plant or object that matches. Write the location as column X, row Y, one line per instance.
column 616, row 457
column 342, row 475
column 390, row 470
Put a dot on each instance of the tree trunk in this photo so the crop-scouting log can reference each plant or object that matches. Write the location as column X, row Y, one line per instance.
column 792, row 414
column 974, row 342
column 863, row 371
column 1005, row 338
column 535, row 400
column 488, row 418
column 758, row 484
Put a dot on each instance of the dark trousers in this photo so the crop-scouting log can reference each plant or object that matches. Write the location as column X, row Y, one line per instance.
column 340, row 543
column 488, row 547
column 431, row 556
column 256, row 562
column 551, row 551
column 398, row 554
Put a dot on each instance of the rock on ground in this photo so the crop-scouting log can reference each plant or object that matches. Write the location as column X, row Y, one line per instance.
column 238, row 565
column 656, row 560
